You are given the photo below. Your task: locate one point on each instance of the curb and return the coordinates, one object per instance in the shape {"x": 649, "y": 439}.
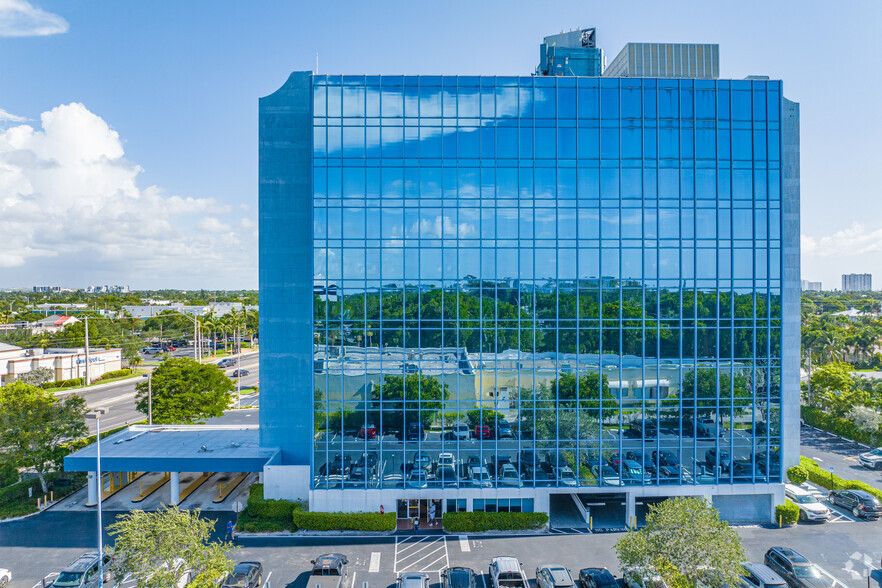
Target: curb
{"x": 852, "y": 441}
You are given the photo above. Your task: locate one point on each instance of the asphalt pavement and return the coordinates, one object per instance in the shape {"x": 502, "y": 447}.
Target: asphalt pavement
{"x": 831, "y": 451}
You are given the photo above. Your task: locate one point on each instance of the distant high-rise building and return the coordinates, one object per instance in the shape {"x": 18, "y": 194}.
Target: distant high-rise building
{"x": 811, "y": 286}
{"x": 571, "y": 54}
{"x": 857, "y": 282}
{"x": 666, "y": 60}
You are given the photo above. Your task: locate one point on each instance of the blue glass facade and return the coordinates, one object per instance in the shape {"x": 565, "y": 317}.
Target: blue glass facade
{"x": 578, "y": 277}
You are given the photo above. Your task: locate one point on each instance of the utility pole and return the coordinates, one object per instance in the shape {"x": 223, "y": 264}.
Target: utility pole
{"x": 86, "y": 379}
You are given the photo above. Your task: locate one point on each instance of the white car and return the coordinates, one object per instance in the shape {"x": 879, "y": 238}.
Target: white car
{"x": 446, "y": 459}
{"x": 565, "y": 476}
{"x": 872, "y": 459}
{"x": 810, "y": 508}
{"x": 5, "y": 576}
{"x": 509, "y": 476}
{"x": 480, "y": 477}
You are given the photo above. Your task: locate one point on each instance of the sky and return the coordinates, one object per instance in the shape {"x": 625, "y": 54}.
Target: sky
{"x": 128, "y": 130}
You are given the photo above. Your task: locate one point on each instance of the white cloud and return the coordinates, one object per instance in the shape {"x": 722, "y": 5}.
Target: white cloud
{"x": 6, "y": 117}
{"x": 71, "y": 212}
{"x": 855, "y": 240}
{"x": 19, "y": 18}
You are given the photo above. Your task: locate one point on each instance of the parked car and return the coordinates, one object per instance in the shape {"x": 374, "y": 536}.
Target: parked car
{"x": 642, "y": 578}
{"x": 340, "y": 465}
{"x": 497, "y": 461}
{"x": 412, "y": 580}
{"x": 810, "y": 508}
{"x": 642, "y": 429}
{"x": 606, "y": 476}
{"x": 368, "y": 459}
{"x": 565, "y": 476}
{"x": 82, "y": 572}
{"x": 416, "y": 432}
{"x": 710, "y": 459}
{"x": 328, "y": 571}
{"x": 482, "y": 432}
{"x": 861, "y": 503}
{"x": 5, "y": 577}
{"x": 360, "y": 473}
{"x": 664, "y": 457}
{"x": 480, "y": 477}
{"x": 458, "y": 432}
{"x": 509, "y": 476}
{"x": 674, "y": 475}
{"x": 368, "y": 431}
{"x": 596, "y": 578}
{"x": 458, "y": 578}
{"x": 504, "y": 430}
{"x": 795, "y": 569}
{"x": 633, "y": 473}
{"x": 507, "y": 572}
{"x": 422, "y": 461}
{"x": 872, "y": 459}
{"x": 446, "y": 477}
{"x": 246, "y": 574}
{"x": 418, "y": 478}
{"x": 240, "y": 373}
{"x": 553, "y": 576}
{"x": 760, "y": 576}
{"x": 446, "y": 460}
{"x": 527, "y": 462}
{"x": 644, "y": 459}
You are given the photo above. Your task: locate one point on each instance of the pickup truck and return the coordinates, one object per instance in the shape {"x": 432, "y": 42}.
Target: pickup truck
{"x": 328, "y": 571}
{"x": 507, "y": 572}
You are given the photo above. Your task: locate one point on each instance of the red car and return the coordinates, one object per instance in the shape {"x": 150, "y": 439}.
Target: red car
{"x": 368, "y": 432}
{"x": 482, "y": 432}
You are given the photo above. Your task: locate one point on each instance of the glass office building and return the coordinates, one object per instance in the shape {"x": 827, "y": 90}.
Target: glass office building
{"x": 482, "y": 291}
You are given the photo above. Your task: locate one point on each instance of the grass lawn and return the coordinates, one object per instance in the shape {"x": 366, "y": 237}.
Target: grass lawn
{"x": 15, "y": 502}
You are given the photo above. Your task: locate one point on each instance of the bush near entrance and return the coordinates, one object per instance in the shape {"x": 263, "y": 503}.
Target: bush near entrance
{"x": 266, "y": 516}
{"x": 344, "y": 521}
{"x": 797, "y": 475}
{"x": 787, "y": 513}
{"x": 473, "y": 522}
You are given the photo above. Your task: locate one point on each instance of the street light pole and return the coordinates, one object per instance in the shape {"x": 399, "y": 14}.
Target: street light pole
{"x": 149, "y": 377}
{"x": 86, "y": 374}
{"x": 96, "y": 414}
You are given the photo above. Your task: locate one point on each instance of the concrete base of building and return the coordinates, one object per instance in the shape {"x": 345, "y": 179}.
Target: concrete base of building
{"x": 754, "y": 503}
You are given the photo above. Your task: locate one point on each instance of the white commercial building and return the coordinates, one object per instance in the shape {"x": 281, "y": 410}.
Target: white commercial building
{"x": 65, "y": 364}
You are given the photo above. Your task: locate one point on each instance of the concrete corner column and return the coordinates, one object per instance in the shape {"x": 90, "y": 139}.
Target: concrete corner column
{"x": 175, "y": 487}
{"x": 92, "y": 492}
{"x": 630, "y": 508}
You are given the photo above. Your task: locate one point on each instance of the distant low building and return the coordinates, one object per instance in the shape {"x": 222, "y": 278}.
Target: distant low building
{"x": 65, "y": 364}
{"x": 52, "y": 324}
{"x": 216, "y": 308}
{"x": 811, "y": 286}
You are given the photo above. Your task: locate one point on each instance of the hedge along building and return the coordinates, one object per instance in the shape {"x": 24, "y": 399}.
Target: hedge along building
{"x": 595, "y": 268}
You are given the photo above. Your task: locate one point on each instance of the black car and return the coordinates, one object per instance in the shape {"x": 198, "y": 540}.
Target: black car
{"x": 664, "y": 457}
{"x": 240, "y": 373}
{"x": 359, "y": 473}
{"x": 367, "y": 459}
{"x": 246, "y": 574}
{"x": 445, "y": 476}
{"x": 497, "y": 461}
{"x": 763, "y": 461}
{"x": 642, "y": 429}
{"x": 796, "y": 570}
{"x": 710, "y": 460}
{"x": 458, "y": 578}
{"x": 596, "y": 578}
{"x": 340, "y": 466}
{"x": 860, "y": 503}
{"x": 416, "y": 432}
{"x": 527, "y": 461}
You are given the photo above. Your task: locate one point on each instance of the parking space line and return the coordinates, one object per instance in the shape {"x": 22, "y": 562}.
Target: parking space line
{"x": 375, "y": 562}
{"x": 395, "y": 558}
{"x": 353, "y": 579}
{"x": 431, "y": 553}
{"x": 266, "y": 582}
{"x": 833, "y": 579}
{"x": 464, "y": 543}
{"x": 423, "y": 554}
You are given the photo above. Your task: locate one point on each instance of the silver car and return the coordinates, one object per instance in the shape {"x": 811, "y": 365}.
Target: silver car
{"x": 412, "y": 580}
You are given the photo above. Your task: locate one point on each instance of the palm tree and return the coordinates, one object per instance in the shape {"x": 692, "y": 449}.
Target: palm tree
{"x": 237, "y": 322}
{"x": 211, "y": 324}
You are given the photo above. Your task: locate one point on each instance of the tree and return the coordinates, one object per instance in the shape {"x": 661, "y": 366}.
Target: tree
{"x": 866, "y": 420}
{"x": 589, "y": 390}
{"x": 833, "y": 388}
{"x": 683, "y": 540}
{"x": 186, "y": 392}
{"x": 157, "y": 548}
{"x": 414, "y": 398}
{"x": 37, "y": 376}
{"x": 34, "y": 424}
{"x": 486, "y": 417}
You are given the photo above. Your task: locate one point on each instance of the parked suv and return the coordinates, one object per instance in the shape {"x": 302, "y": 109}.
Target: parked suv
{"x": 810, "y": 508}
{"x": 553, "y": 577}
{"x": 861, "y": 503}
{"x": 760, "y": 576}
{"x": 458, "y": 578}
{"x": 459, "y": 432}
{"x": 81, "y": 573}
{"x": 795, "y": 569}
{"x": 872, "y": 459}
{"x": 246, "y": 574}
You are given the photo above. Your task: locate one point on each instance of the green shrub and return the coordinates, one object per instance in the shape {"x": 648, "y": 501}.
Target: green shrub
{"x": 15, "y": 502}
{"x": 115, "y": 374}
{"x": 471, "y": 522}
{"x": 787, "y": 513}
{"x": 249, "y": 524}
{"x": 797, "y": 475}
{"x": 833, "y": 424}
{"x": 72, "y": 383}
{"x": 344, "y": 521}
{"x": 262, "y": 508}
{"x": 826, "y": 479}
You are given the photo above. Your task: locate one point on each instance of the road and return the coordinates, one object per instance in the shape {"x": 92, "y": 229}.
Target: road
{"x": 119, "y": 397}
{"x": 840, "y": 454}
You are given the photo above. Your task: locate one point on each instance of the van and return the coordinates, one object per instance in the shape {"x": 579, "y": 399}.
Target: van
{"x": 760, "y": 576}
{"x": 416, "y": 432}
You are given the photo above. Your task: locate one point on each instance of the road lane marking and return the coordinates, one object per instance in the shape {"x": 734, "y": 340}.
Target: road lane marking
{"x": 375, "y": 562}
{"x": 817, "y": 458}
{"x": 464, "y": 543}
